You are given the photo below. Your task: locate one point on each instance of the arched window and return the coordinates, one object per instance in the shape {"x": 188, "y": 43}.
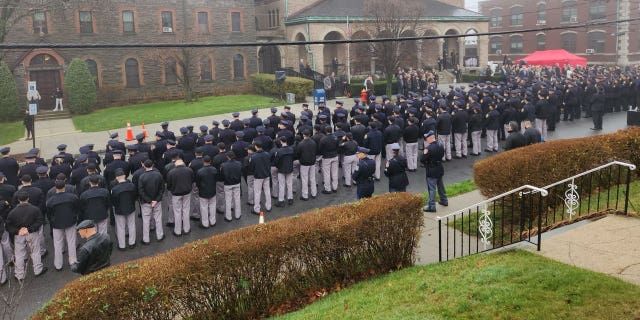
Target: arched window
{"x": 93, "y": 69}
{"x": 496, "y": 18}
{"x": 132, "y": 72}
{"x": 541, "y": 41}
{"x": 596, "y": 41}
{"x": 516, "y": 44}
{"x": 170, "y": 71}
{"x": 516, "y": 16}
{"x": 569, "y": 11}
{"x": 238, "y": 66}
{"x": 541, "y": 13}
{"x": 206, "y": 73}
{"x": 495, "y": 45}
{"x": 568, "y": 41}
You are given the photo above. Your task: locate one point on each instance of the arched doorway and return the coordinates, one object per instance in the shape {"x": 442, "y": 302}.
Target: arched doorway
{"x": 45, "y": 70}
{"x": 471, "y": 48}
{"x": 269, "y": 59}
{"x": 409, "y": 51}
{"x": 302, "y": 53}
{"x": 430, "y": 51}
{"x": 333, "y": 54}
{"x": 450, "y": 49}
{"x": 360, "y": 55}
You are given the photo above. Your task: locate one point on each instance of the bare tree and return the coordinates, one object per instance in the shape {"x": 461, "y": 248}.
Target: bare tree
{"x": 179, "y": 65}
{"x": 10, "y": 297}
{"x": 391, "y": 19}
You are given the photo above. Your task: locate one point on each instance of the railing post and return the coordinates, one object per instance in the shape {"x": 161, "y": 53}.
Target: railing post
{"x": 539, "y": 221}
{"x": 626, "y": 196}
{"x": 440, "y": 240}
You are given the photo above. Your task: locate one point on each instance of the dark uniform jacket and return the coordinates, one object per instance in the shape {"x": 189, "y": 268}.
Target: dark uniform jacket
{"x": 411, "y": 134}
{"x": 305, "y": 152}
{"x": 123, "y": 197}
{"x": 206, "y": 182}
{"x": 62, "y": 210}
{"x": 231, "y": 172}
{"x": 373, "y": 141}
{"x": 94, "y": 254}
{"x": 36, "y": 197}
{"x": 397, "y": 172}
{"x": 30, "y": 169}
{"x": 150, "y": 186}
{"x": 260, "y": 163}
{"x": 459, "y": 121}
{"x": 532, "y": 135}
{"x": 515, "y": 140}
{"x": 283, "y": 158}
{"x": 9, "y": 166}
{"x": 329, "y": 146}
{"x": 180, "y": 181}
{"x": 433, "y": 160}
{"x": 392, "y": 134}
{"x": 443, "y": 124}
{"x": 94, "y": 204}
{"x": 365, "y": 171}
{"x": 24, "y": 215}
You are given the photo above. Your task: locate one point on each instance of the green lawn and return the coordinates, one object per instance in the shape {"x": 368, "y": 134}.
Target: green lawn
{"x": 116, "y": 117}
{"x": 11, "y": 131}
{"x": 511, "y": 285}
{"x": 455, "y": 189}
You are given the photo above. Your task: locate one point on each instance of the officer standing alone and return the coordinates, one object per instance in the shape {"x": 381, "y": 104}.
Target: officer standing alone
{"x": 432, "y": 159}
{"x": 364, "y": 174}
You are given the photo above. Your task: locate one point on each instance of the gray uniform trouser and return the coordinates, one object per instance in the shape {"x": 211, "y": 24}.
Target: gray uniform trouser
{"x": 59, "y": 236}
{"x": 167, "y": 199}
{"x": 260, "y": 185}
{"x": 541, "y": 125}
{"x": 377, "y": 158}
{"x": 506, "y": 128}
{"x": 125, "y": 223}
{"x": 330, "y": 173}
{"x": 32, "y": 241}
{"x": 285, "y": 183}
{"x": 349, "y": 165}
{"x": 102, "y": 226}
{"x": 460, "y": 141}
{"x": 308, "y": 180}
{"x": 492, "y": 139}
{"x": 296, "y": 174}
{"x": 3, "y": 272}
{"x": 195, "y": 202}
{"x": 220, "y": 196}
{"x": 207, "y": 211}
{"x": 274, "y": 181}
{"x": 445, "y": 141}
{"x": 232, "y": 199}
{"x": 149, "y": 212}
{"x": 388, "y": 152}
{"x": 181, "y": 206}
{"x": 7, "y": 247}
{"x": 476, "y": 141}
{"x": 250, "y": 180}
{"x": 411, "y": 150}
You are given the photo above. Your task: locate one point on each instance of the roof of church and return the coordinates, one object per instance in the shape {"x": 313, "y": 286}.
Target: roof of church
{"x": 339, "y": 10}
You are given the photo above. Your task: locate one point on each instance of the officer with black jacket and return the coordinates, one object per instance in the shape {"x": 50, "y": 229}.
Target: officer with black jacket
{"x": 373, "y": 142}
{"x": 111, "y": 168}
{"x": 283, "y": 159}
{"x": 95, "y": 253}
{"x": 150, "y": 190}
{"x": 364, "y": 174}
{"x": 232, "y": 176}
{"x": 123, "y": 197}
{"x": 180, "y": 184}
{"x": 328, "y": 147}
{"x": 206, "y": 182}
{"x": 95, "y": 204}
{"x": 9, "y": 166}
{"x": 396, "y": 170}
{"x": 305, "y": 153}
{"x": 432, "y": 159}
{"x": 260, "y": 164}
{"x": 411, "y": 135}
{"x": 392, "y": 134}
{"x": 62, "y": 211}
{"x": 24, "y": 223}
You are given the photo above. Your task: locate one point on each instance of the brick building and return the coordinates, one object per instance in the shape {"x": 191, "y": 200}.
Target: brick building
{"x": 304, "y": 20}
{"x": 129, "y": 75}
{"x": 600, "y": 44}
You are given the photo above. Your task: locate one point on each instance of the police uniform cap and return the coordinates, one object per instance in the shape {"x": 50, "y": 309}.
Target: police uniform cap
{"x": 254, "y": 111}
{"x": 321, "y": 105}
{"x": 235, "y": 114}
{"x": 164, "y": 124}
{"x": 190, "y": 127}
{"x": 340, "y": 115}
{"x": 412, "y": 110}
{"x": 133, "y": 147}
{"x": 113, "y": 135}
{"x": 361, "y": 108}
{"x": 160, "y": 134}
{"x": 363, "y": 150}
{"x": 184, "y": 130}
{"x": 305, "y": 104}
{"x": 119, "y": 172}
{"x": 340, "y": 102}
{"x": 60, "y": 147}
{"x": 246, "y": 121}
{"x": 203, "y": 128}
{"x": 378, "y": 106}
{"x": 339, "y": 134}
{"x": 5, "y": 150}
{"x": 112, "y": 143}
{"x": 42, "y": 170}
{"x": 171, "y": 142}
{"x": 384, "y": 97}
{"x": 450, "y": 86}
{"x": 322, "y": 116}
{"x": 372, "y": 97}
{"x": 30, "y": 156}
{"x": 240, "y": 134}
{"x": 304, "y": 117}
{"x": 429, "y": 134}
{"x": 225, "y": 122}
{"x": 208, "y": 138}
{"x": 215, "y": 122}
{"x": 83, "y": 150}
{"x": 401, "y": 96}
{"x": 82, "y": 158}
{"x": 91, "y": 166}
{"x": 199, "y": 150}
{"x": 395, "y": 146}
{"x": 287, "y": 107}
{"x": 117, "y": 151}
{"x": 221, "y": 145}
{"x": 34, "y": 150}
{"x": 274, "y": 109}
{"x": 356, "y": 100}
{"x": 260, "y": 129}
{"x": 86, "y": 224}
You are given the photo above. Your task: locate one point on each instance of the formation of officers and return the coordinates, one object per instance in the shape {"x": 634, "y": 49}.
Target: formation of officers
{"x": 197, "y": 174}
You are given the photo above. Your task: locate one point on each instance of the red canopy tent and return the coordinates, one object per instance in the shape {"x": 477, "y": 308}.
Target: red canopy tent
{"x": 551, "y": 57}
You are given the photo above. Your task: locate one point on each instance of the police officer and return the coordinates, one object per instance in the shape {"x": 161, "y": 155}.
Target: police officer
{"x": 180, "y": 184}
{"x": 396, "y": 170}
{"x": 349, "y": 150}
{"x": 95, "y": 253}
{"x": 305, "y": 153}
{"x": 206, "y": 183}
{"x": 95, "y": 204}
{"x": 9, "y": 166}
{"x": 373, "y": 143}
{"x": 432, "y": 159}
{"x": 123, "y": 197}
{"x": 283, "y": 158}
{"x": 62, "y": 211}
{"x": 150, "y": 190}
{"x": 364, "y": 174}
{"x": 24, "y": 223}
{"x": 260, "y": 163}
{"x": 232, "y": 176}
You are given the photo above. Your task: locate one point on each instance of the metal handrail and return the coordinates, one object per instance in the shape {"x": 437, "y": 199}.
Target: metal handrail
{"x": 628, "y": 165}
{"x": 542, "y": 191}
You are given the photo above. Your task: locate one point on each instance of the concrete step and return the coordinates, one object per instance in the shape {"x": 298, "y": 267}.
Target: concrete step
{"x": 49, "y": 115}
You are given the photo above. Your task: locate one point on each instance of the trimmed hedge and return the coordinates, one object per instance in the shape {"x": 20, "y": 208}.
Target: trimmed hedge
{"x": 10, "y": 106}
{"x": 265, "y": 84}
{"x": 81, "y": 87}
{"x": 542, "y": 164}
{"x": 254, "y": 271}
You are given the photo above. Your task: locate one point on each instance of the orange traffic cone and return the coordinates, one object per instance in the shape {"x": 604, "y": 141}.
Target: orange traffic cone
{"x": 129, "y": 131}
{"x": 144, "y": 131}
{"x": 261, "y": 220}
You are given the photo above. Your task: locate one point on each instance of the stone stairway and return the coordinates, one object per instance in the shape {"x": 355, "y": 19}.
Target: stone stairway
{"x": 445, "y": 76}
{"x": 44, "y": 115}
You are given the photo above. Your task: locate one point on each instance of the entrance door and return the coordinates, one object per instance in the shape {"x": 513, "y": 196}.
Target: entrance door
{"x": 46, "y": 81}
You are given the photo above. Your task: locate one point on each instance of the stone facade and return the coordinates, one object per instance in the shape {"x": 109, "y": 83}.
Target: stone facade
{"x": 212, "y": 70}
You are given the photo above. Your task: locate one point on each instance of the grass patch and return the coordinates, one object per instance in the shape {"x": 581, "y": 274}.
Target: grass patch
{"x": 116, "y": 117}
{"x": 511, "y": 285}
{"x": 455, "y": 189}
{"x": 11, "y": 132}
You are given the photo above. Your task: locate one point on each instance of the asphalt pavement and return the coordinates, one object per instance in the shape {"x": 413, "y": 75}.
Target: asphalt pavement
{"x": 38, "y": 291}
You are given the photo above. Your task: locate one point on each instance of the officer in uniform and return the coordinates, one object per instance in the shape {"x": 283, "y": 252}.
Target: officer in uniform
{"x": 205, "y": 178}
{"x": 24, "y": 223}
{"x": 180, "y": 184}
{"x": 169, "y": 135}
{"x": 95, "y": 253}
{"x": 62, "y": 211}
{"x": 232, "y": 176}
{"x": 150, "y": 190}
{"x": 9, "y": 166}
{"x": 95, "y": 204}
{"x": 432, "y": 159}
{"x": 123, "y": 197}
{"x": 373, "y": 142}
{"x": 364, "y": 174}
